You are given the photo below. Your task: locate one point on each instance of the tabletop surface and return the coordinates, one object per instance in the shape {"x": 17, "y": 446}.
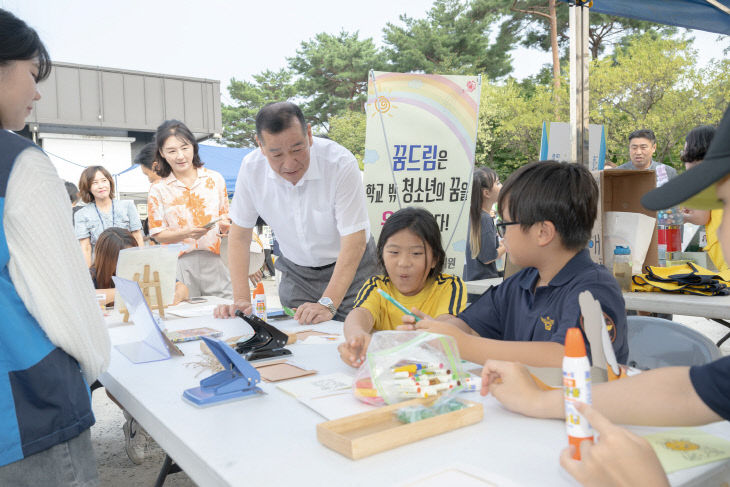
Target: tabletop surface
{"x": 478, "y": 287}
{"x": 683, "y": 304}
{"x": 271, "y": 439}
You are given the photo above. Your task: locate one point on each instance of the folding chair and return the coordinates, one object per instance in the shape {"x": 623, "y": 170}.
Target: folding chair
{"x": 656, "y": 342}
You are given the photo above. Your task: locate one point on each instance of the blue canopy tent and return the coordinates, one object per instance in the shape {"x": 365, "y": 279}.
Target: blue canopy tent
{"x": 225, "y": 160}
{"x": 707, "y": 15}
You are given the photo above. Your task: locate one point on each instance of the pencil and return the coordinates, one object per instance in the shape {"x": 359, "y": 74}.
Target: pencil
{"x": 397, "y": 304}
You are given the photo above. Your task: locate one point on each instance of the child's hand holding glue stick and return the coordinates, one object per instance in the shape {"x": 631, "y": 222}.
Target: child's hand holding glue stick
{"x": 619, "y": 458}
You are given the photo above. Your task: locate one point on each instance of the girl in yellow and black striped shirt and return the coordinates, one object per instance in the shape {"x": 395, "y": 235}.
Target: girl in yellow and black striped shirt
{"x": 411, "y": 254}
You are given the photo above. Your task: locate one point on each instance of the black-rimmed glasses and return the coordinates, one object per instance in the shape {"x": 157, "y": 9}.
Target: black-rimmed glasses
{"x": 502, "y": 227}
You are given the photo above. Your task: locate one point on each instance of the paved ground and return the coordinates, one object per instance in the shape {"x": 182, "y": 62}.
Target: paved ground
{"x": 116, "y": 470}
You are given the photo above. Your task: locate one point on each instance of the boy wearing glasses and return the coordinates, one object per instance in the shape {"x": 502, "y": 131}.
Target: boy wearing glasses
{"x": 547, "y": 210}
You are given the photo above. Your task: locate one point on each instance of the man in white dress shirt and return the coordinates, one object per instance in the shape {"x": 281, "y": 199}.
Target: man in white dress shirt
{"x": 310, "y": 192}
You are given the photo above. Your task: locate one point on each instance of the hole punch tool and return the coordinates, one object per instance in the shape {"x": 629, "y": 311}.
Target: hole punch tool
{"x": 267, "y": 342}
{"x": 238, "y": 378}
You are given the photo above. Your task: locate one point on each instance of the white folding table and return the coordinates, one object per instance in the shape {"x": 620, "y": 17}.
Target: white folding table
{"x": 271, "y": 439}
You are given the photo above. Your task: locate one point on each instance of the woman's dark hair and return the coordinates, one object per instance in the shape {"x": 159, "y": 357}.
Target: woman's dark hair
{"x": 559, "y": 192}
{"x": 19, "y": 42}
{"x": 698, "y": 141}
{"x": 106, "y": 254}
{"x": 87, "y": 177}
{"x": 277, "y": 117}
{"x": 422, "y": 223}
{"x": 146, "y": 156}
{"x": 73, "y": 191}
{"x": 170, "y": 128}
{"x": 484, "y": 178}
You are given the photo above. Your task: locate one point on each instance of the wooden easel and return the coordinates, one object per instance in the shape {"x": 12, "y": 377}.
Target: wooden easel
{"x": 145, "y": 284}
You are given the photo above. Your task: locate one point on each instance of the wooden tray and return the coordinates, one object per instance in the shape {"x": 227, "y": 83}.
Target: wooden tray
{"x": 364, "y": 434}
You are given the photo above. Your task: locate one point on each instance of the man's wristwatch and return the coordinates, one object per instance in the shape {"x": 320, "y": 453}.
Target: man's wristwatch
{"x": 327, "y": 303}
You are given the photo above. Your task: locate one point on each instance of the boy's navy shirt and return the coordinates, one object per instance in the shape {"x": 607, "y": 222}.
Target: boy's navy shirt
{"x": 512, "y": 311}
{"x": 712, "y": 384}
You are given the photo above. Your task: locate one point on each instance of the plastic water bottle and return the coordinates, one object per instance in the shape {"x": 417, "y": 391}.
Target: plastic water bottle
{"x": 669, "y": 226}
{"x": 622, "y": 267}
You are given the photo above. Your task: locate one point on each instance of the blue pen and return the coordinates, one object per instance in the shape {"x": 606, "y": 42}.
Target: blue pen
{"x": 397, "y": 304}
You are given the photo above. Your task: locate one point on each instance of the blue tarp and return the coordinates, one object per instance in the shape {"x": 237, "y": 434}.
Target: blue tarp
{"x": 690, "y": 14}
{"x": 225, "y": 160}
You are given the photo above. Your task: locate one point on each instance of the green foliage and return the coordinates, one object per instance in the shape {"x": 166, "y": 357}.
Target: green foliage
{"x": 653, "y": 82}
{"x": 332, "y": 74}
{"x": 448, "y": 41}
{"x": 523, "y": 16}
{"x": 348, "y": 130}
{"x": 239, "y": 120}
{"x": 510, "y": 123}
{"x": 649, "y": 82}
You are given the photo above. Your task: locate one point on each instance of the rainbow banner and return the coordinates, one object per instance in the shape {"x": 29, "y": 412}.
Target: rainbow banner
{"x": 419, "y": 151}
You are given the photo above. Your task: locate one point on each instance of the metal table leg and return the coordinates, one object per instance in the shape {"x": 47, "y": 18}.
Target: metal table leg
{"x": 726, "y": 325}
{"x": 168, "y": 467}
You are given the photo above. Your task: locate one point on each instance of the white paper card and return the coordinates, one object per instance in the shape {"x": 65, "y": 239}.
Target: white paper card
{"x": 151, "y": 346}
{"x": 192, "y": 311}
{"x": 317, "y": 386}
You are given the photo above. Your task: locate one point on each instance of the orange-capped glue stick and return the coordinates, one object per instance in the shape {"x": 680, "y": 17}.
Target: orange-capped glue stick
{"x": 576, "y": 388}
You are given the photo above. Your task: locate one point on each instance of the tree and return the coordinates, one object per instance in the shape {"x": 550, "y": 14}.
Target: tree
{"x": 548, "y": 13}
{"x": 510, "y": 123}
{"x": 348, "y": 130}
{"x": 448, "y": 41}
{"x": 333, "y": 74}
{"x": 239, "y": 120}
{"x": 541, "y": 24}
{"x": 532, "y": 20}
{"x": 653, "y": 82}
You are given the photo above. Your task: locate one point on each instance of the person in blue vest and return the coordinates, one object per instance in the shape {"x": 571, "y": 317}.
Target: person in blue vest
{"x": 53, "y": 340}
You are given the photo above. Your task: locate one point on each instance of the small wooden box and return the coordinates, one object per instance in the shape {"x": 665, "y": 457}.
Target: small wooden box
{"x": 364, "y": 434}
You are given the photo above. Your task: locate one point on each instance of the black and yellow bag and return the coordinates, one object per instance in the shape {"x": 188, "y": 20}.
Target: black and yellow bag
{"x": 686, "y": 278}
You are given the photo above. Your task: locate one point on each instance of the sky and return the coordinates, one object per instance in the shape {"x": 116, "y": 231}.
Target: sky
{"x": 221, "y": 39}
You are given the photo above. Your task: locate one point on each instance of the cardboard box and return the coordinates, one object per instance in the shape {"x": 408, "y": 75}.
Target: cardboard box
{"x": 621, "y": 190}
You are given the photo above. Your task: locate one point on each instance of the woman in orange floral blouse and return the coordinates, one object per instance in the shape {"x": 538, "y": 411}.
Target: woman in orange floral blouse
{"x": 190, "y": 205}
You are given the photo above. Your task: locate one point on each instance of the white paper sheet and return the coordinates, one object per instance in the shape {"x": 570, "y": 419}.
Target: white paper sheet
{"x": 328, "y": 395}
{"x": 151, "y": 346}
{"x": 323, "y": 340}
{"x": 192, "y": 312}
{"x": 320, "y": 385}
{"x": 335, "y": 406}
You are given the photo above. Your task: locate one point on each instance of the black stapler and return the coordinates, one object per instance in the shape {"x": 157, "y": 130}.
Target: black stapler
{"x": 267, "y": 341}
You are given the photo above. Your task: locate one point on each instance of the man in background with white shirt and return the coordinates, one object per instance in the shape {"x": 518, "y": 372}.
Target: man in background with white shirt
{"x": 310, "y": 192}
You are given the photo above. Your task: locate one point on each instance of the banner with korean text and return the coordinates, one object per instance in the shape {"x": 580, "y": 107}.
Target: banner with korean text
{"x": 419, "y": 151}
